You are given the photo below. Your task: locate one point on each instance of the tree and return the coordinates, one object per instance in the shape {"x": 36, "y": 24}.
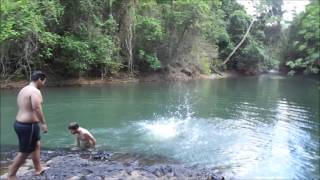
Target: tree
{"x": 303, "y": 45}
{"x": 97, "y": 38}
{"x": 25, "y": 39}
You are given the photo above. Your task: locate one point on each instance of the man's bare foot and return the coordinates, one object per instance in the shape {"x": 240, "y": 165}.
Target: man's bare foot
{"x": 39, "y": 173}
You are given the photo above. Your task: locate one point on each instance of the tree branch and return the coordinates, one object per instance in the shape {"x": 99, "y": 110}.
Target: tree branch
{"x": 240, "y": 43}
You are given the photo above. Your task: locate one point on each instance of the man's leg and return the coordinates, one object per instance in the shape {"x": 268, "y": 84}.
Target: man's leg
{"x": 36, "y": 160}
{"x": 17, "y": 163}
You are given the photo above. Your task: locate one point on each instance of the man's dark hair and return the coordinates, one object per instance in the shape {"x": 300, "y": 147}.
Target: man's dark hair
{"x": 73, "y": 126}
{"x": 36, "y": 75}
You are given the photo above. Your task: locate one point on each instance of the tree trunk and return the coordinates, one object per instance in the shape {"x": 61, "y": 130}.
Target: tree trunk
{"x": 126, "y": 31}
{"x": 110, "y": 7}
{"x": 240, "y": 43}
{"x": 171, "y": 35}
{"x": 3, "y": 65}
{"x": 29, "y": 48}
{"x": 128, "y": 39}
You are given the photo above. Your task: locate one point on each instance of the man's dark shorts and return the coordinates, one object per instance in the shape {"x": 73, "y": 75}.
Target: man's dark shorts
{"x": 28, "y": 135}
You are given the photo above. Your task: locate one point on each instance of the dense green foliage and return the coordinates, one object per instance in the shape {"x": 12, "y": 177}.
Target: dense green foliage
{"x": 303, "y": 41}
{"x": 25, "y": 39}
{"x": 69, "y": 38}
{"x": 97, "y": 38}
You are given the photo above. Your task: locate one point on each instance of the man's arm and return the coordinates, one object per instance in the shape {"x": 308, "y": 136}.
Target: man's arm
{"x": 78, "y": 141}
{"x": 36, "y": 100}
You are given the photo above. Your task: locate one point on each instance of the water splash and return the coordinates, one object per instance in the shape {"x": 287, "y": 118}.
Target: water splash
{"x": 164, "y": 127}
{"x": 161, "y": 129}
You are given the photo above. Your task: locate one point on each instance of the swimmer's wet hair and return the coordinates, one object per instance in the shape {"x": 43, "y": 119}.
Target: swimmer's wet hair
{"x": 36, "y": 75}
{"x": 73, "y": 126}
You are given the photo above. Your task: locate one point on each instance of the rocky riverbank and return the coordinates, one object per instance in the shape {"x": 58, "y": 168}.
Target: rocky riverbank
{"x": 98, "y": 165}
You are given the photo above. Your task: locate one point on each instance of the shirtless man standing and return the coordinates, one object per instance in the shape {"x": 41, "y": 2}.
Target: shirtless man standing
{"x": 27, "y": 125}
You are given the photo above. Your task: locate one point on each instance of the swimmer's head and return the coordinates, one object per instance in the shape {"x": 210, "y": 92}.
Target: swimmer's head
{"x": 73, "y": 127}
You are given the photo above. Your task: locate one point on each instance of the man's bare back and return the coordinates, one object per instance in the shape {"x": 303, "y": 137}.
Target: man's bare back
{"x": 24, "y": 100}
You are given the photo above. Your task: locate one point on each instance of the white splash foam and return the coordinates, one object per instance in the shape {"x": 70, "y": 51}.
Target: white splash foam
{"x": 161, "y": 130}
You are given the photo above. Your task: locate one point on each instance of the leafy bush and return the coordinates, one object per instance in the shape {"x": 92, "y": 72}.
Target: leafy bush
{"x": 152, "y": 60}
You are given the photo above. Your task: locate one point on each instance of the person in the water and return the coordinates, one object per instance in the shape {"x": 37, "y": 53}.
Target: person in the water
{"x": 84, "y": 138}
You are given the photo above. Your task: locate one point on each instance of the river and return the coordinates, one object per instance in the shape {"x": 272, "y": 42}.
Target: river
{"x": 251, "y": 127}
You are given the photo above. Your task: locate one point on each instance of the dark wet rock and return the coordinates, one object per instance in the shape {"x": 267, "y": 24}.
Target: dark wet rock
{"x": 80, "y": 165}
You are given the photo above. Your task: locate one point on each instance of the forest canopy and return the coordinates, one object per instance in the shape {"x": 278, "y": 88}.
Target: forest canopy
{"x": 100, "y": 38}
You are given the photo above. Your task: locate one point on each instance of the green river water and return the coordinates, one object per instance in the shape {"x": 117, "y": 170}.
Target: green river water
{"x": 253, "y": 127}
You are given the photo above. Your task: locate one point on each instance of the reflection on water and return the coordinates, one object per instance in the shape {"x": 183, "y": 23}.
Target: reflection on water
{"x": 265, "y": 127}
